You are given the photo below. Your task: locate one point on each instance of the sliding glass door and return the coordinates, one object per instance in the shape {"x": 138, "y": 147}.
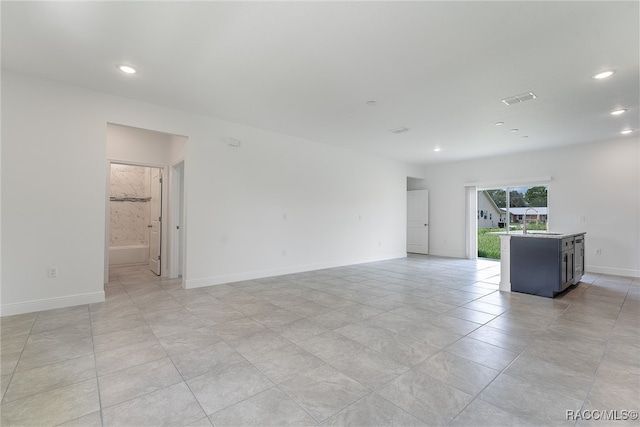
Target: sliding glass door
{"x": 509, "y": 209}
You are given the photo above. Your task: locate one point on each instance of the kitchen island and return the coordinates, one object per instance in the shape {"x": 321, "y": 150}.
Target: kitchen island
{"x": 540, "y": 263}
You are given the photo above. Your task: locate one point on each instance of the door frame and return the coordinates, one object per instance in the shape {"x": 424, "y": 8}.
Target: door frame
{"x": 164, "y": 242}
{"x": 177, "y": 237}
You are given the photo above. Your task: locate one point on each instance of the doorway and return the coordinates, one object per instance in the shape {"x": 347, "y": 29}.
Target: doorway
{"x": 163, "y": 155}
{"x": 135, "y": 216}
{"x": 417, "y": 216}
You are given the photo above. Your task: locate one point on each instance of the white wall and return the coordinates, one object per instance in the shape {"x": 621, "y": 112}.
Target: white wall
{"x": 598, "y": 181}
{"x": 130, "y": 144}
{"x": 236, "y": 198}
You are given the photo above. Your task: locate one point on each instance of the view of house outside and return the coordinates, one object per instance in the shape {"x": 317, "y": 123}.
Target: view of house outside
{"x": 505, "y": 209}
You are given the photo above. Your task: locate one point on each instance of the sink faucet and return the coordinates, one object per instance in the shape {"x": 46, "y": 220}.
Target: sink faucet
{"x": 524, "y": 219}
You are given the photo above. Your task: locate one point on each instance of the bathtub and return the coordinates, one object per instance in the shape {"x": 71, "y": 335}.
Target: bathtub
{"x": 128, "y": 255}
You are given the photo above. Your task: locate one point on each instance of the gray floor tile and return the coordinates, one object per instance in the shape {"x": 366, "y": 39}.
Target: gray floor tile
{"x": 308, "y": 309}
{"x": 257, "y": 344}
{"x": 188, "y": 340}
{"x": 215, "y": 315}
{"x": 423, "y": 396}
{"x": 323, "y": 391}
{"x": 38, "y": 354}
{"x": 64, "y": 319}
{"x": 114, "y": 324}
{"x": 198, "y": 361}
{"x": 528, "y": 401}
{"x": 471, "y": 315}
{"x": 202, "y": 422}
{"x": 53, "y": 407}
{"x": 359, "y": 311}
{"x": 299, "y": 330}
{"x": 13, "y": 344}
{"x": 402, "y": 349}
{"x": 432, "y": 335}
{"x": 369, "y": 367}
{"x": 483, "y": 414}
{"x": 538, "y": 371}
{"x": 17, "y": 325}
{"x": 485, "y": 307}
{"x": 136, "y": 381}
{"x": 8, "y": 362}
{"x": 453, "y": 324}
{"x": 458, "y": 372}
{"x": 332, "y": 320}
{"x": 373, "y": 410}
{"x": 329, "y": 345}
{"x": 38, "y": 380}
{"x": 284, "y": 363}
{"x": 583, "y": 343}
{"x": 228, "y": 384}
{"x": 169, "y": 406}
{"x": 123, "y": 338}
{"x": 93, "y": 419}
{"x": 500, "y": 338}
{"x": 234, "y": 331}
{"x": 270, "y": 407}
{"x": 121, "y": 358}
{"x": 491, "y": 356}
{"x": 4, "y": 384}
{"x": 276, "y": 318}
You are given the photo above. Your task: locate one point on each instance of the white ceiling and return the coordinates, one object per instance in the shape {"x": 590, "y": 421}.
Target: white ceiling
{"x": 307, "y": 68}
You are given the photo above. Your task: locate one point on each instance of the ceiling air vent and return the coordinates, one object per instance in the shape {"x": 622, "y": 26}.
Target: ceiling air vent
{"x": 519, "y": 98}
{"x": 399, "y": 130}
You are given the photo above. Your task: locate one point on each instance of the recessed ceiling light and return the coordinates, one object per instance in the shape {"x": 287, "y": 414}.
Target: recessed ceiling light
{"x": 371, "y": 103}
{"x": 127, "y": 69}
{"x": 498, "y": 123}
{"x": 604, "y": 74}
{"x": 617, "y": 112}
{"x": 514, "y": 130}
{"x": 436, "y": 149}
{"x": 626, "y": 131}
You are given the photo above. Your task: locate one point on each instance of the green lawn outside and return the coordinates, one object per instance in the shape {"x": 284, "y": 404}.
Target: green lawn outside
{"x": 488, "y": 244}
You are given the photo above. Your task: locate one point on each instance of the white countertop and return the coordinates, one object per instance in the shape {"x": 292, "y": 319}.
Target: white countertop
{"x": 540, "y": 234}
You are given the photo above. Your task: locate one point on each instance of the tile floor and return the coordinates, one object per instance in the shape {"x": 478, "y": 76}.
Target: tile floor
{"x": 415, "y": 341}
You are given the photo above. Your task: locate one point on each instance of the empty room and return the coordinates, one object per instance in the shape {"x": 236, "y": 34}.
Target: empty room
{"x": 320, "y": 213}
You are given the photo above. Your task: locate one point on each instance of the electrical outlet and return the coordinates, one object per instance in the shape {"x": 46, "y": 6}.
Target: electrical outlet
{"x": 583, "y": 218}
{"x": 52, "y": 272}
{"x": 598, "y": 251}
{"x": 284, "y": 216}
{"x": 284, "y": 252}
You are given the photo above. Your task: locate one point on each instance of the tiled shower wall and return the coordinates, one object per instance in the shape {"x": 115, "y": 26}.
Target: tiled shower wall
{"x": 129, "y": 219}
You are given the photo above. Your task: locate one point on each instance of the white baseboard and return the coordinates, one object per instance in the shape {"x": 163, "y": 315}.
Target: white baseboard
{"x": 50, "y": 303}
{"x": 260, "y": 274}
{"x": 448, "y": 254}
{"x": 625, "y": 272}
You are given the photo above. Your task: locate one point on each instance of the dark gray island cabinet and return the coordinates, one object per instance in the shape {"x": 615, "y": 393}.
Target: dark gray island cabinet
{"x": 546, "y": 264}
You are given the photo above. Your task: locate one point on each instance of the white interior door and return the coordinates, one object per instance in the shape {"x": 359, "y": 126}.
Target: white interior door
{"x": 156, "y": 220}
{"x": 418, "y": 221}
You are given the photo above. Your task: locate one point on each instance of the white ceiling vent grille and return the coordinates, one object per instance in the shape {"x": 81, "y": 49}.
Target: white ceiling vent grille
{"x": 519, "y": 98}
{"x": 399, "y": 130}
